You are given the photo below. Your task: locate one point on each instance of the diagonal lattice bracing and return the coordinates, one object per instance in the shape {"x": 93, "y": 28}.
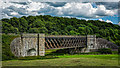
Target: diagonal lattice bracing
{"x": 64, "y": 42}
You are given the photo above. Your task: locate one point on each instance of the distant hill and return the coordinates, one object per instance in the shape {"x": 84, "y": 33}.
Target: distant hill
{"x": 62, "y": 26}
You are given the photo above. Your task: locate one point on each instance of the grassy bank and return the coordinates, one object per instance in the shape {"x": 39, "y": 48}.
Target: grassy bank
{"x": 68, "y": 60}
{"x": 107, "y": 57}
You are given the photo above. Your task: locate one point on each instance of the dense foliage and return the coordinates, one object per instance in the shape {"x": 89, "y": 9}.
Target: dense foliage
{"x": 62, "y": 26}
{"x": 6, "y": 52}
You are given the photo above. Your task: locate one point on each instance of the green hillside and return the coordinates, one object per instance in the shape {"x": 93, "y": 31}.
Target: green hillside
{"x": 61, "y": 26}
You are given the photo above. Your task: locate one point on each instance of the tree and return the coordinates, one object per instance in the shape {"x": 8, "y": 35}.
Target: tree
{"x": 117, "y": 42}
{"x": 81, "y": 30}
{"x": 33, "y": 30}
{"x": 8, "y": 28}
{"x": 23, "y": 25}
{"x": 43, "y": 30}
{"x": 38, "y": 23}
{"x": 69, "y": 28}
{"x": 54, "y": 33}
{"x": 72, "y": 32}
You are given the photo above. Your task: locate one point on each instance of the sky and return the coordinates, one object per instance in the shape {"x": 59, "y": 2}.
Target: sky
{"x": 103, "y": 11}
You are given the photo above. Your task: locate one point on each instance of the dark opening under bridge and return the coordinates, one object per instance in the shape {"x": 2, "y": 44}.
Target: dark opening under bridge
{"x": 35, "y": 44}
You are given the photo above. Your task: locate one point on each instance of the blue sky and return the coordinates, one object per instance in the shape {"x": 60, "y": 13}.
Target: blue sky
{"x": 114, "y": 19}
{"x": 103, "y": 11}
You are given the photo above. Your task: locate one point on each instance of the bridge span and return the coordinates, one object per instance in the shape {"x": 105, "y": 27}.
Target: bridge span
{"x": 35, "y": 44}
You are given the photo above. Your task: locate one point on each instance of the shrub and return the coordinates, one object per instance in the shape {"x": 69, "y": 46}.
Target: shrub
{"x": 105, "y": 51}
{"x": 94, "y": 52}
{"x": 36, "y": 57}
{"x": 114, "y": 52}
{"x": 6, "y": 51}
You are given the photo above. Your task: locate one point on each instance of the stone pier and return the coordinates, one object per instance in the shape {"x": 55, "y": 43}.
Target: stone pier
{"x": 91, "y": 43}
{"x": 41, "y": 44}
{"x": 28, "y": 45}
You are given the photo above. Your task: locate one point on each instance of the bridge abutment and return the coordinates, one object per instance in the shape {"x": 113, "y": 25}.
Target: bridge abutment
{"x": 28, "y": 45}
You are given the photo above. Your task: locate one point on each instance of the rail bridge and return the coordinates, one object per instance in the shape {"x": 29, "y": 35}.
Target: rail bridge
{"x": 58, "y": 42}
{"x": 35, "y": 44}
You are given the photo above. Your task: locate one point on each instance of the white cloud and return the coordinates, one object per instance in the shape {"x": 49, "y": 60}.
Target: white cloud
{"x": 14, "y": 13}
{"x": 76, "y": 0}
{"x": 108, "y": 21}
{"x": 102, "y": 11}
{"x": 34, "y": 6}
{"x": 119, "y": 23}
{"x": 83, "y": 10}
{"x": 101, "y": 20}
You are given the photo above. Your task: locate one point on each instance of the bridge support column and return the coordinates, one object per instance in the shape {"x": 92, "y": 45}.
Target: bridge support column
{"x": 41, "y": 44}
{"x": 91, "y": 43}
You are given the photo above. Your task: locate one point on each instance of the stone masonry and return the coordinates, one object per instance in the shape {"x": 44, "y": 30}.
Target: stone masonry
{"x": 28, "y": 45}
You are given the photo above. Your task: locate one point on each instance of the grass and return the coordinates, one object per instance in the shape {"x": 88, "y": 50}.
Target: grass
{"x": 109, "y": 57}
{"x": 48, "y": 51}
{"x": 68, "y": 60}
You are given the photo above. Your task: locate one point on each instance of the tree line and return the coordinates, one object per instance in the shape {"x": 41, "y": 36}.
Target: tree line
{"x": 50, "y": 25}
